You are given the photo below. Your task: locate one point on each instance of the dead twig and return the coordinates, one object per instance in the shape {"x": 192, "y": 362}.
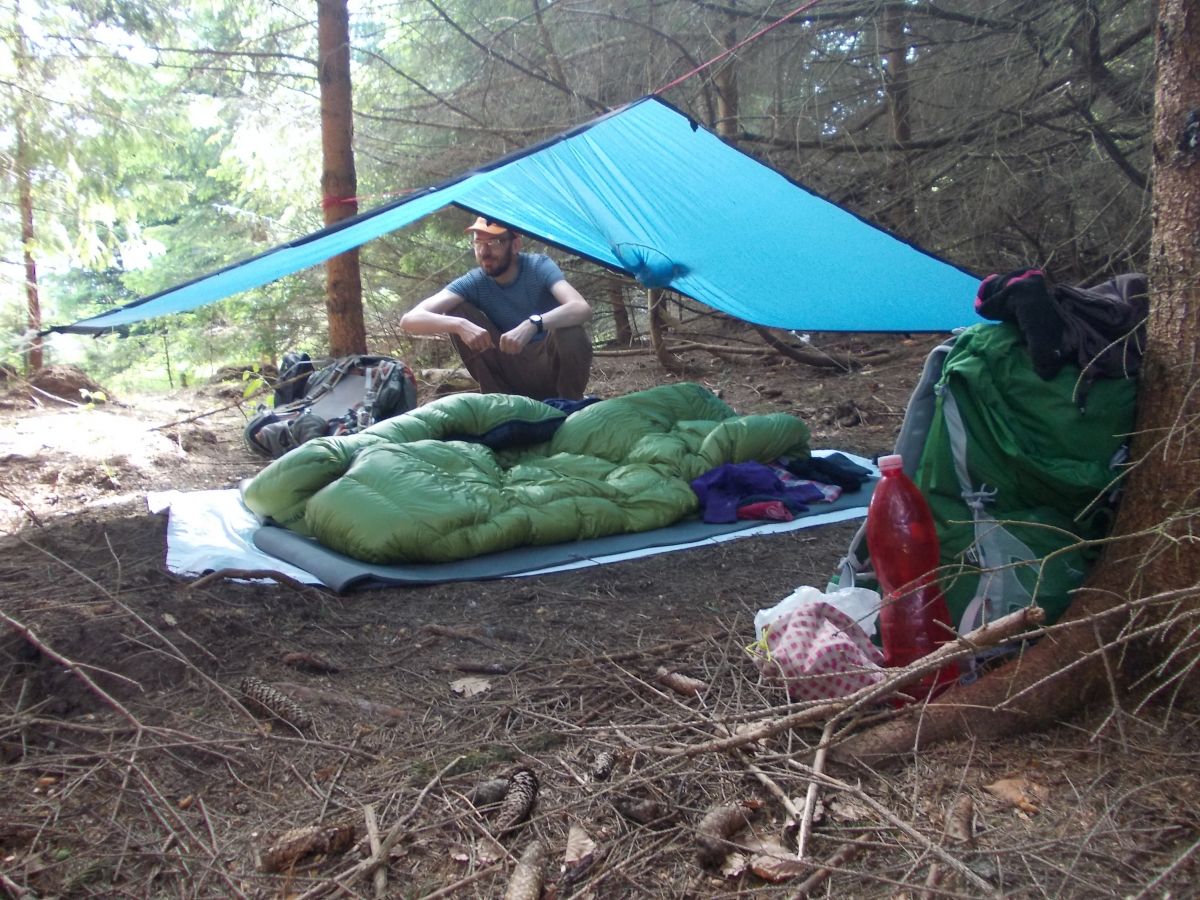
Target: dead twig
{"x": 74, "y": 668}
{"x": 958, "y": 865}
{"x": 248, "y": 575}
{"x": 841, "y": 857}
{"x": 379, "y": 857}
{"x": 371, "y": 707}
{"x": 810, "y": 798}
{"x": 1002, "y": 629}
{"x": 379, "y": 881}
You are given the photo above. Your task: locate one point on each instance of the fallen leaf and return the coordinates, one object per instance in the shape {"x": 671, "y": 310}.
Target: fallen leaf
{"x": 309, "y": 662}
{"x": 470, "y": 686}
{"x": 773, "y": 862}
{"x": 848, "y": 810}
{"x": 1020, "y": 792}
{"x": 580, "y": 846}
{"x": 489, "y": 851}
{"x": 735, "y": 865}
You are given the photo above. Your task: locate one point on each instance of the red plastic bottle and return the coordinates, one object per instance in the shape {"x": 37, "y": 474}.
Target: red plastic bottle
{"x": 914, "y": 619}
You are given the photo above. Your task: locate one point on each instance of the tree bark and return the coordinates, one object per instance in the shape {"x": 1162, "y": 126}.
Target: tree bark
{"x": 899, "y": 103}
{"x": 726, "y": 83}
{"x": 33, "y": 307}
{"x": 339, "y": 183}
{"x": 624, "y": 329}
{"x": 658, "y": 333}
{"x": 1153, "y": 553}
{"x": 24, "y": 173}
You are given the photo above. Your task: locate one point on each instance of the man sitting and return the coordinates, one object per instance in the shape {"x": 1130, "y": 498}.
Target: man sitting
{"x": 515, "y": 321}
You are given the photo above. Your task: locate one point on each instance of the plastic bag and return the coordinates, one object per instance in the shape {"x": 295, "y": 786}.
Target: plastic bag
{"x": 814, "y": 643}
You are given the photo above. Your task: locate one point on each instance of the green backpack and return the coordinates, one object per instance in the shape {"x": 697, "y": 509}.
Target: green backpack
{"x": 1016, "y": 474}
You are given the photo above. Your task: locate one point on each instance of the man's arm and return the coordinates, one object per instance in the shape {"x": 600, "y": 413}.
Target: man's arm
{"x": 572, "y": 309}
{"x": 433, "y": 316}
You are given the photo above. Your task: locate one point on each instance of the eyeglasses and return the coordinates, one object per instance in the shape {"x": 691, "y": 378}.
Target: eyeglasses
{"x": 491, "y": 242}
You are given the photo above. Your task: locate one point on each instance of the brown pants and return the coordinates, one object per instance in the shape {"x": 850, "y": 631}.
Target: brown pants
{"x": 559, "y": 365}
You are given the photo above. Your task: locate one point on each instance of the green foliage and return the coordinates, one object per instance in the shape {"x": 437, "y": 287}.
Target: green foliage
{"x": 254, "y": 382}
{"x": 170, "y": 141}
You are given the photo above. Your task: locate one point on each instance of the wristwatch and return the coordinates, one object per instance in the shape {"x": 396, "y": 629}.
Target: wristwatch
{"x": 537, "y": 322}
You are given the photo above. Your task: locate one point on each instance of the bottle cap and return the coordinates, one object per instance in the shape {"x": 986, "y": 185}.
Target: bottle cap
{"x": 893, "y": 461}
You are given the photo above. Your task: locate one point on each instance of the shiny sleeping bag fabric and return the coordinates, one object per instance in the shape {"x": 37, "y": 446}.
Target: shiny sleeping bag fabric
{"x": 478, "y": 473}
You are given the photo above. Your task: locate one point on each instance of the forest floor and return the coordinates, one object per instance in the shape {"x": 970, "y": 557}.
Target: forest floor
{"x": 132, "y": 766}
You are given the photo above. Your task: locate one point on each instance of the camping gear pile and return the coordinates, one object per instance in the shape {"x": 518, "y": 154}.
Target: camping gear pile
{"x": 342, "y": 397}
{"x": 1016, "y": 435}
{"x": 472, "y": 474}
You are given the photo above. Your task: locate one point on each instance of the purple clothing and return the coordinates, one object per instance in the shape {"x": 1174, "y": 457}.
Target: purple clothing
{"x": 723, "y": 489}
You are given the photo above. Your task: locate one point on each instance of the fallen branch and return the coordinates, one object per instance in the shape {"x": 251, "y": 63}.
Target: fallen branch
{"x": 380, "y": 878}
{"x": 75, "y": 669}
{"x": 810, "y": 798}
{"x": 813, "y": 357}
{"x": 248, "y": 575}
{"x": 379, "y": 856}
{"x": 843, "y": 855}
{"x": 896, "y": 822}
{"x": 1013, "y": 625}
{"x": 317, "y": 695}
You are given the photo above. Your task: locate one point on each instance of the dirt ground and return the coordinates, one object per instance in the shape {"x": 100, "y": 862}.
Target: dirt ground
{"x": 136, "y": 762}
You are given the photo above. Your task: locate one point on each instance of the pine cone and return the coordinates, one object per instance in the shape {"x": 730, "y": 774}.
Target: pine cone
{"x": 490, "y": 792}
{"x": 720, "y": 824}
{"x": 266, "y": 700}
{"x": 643, "y": 811}
{"x": 518, "y": 802}
{"x": 526, "y": 880}
{"x": 602, "y": 765}
{"x": 292, "y": 846}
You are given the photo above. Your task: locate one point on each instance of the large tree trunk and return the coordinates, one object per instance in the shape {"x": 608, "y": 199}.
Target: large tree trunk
{"x": 725, "y": 79}
{"x": 24, "y": 173}
{"x": 624, "y": 328}
{"x": 1155, "y": 556}
{"x": 898, "y": 190}
{"x": 339, "y": 184}
{"x": 33, "y": 307}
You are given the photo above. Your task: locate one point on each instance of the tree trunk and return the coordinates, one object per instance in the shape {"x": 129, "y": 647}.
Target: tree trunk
{"x": 725, "y": 80}
{"x": 658, "y": 333}
{"x": 1154, "y": 555}
{"x": 898, "y": 191}
{"x": 624, "y": 328}
{"x": 24, "y": 173}
{"x": 339, "y": 184}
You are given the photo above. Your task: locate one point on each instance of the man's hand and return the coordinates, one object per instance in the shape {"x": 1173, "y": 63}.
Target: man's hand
{"x": 474, "y": 336}
{"x": 514, "y": 341}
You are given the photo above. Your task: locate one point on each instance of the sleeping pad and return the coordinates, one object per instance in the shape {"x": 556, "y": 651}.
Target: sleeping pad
{"x": 478, "y": 473}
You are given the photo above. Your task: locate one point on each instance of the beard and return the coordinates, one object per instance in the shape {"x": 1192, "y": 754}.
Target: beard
{"x": 497, "y": 262}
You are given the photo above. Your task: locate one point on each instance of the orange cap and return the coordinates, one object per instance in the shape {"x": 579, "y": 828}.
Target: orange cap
{"x": 487, "y": 227}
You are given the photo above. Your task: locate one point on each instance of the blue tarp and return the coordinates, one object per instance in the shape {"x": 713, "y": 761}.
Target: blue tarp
{"x": 647, "y": 191}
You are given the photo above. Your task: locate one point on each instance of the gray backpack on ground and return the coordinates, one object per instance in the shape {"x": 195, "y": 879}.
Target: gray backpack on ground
{"x": 343, "y": 397}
